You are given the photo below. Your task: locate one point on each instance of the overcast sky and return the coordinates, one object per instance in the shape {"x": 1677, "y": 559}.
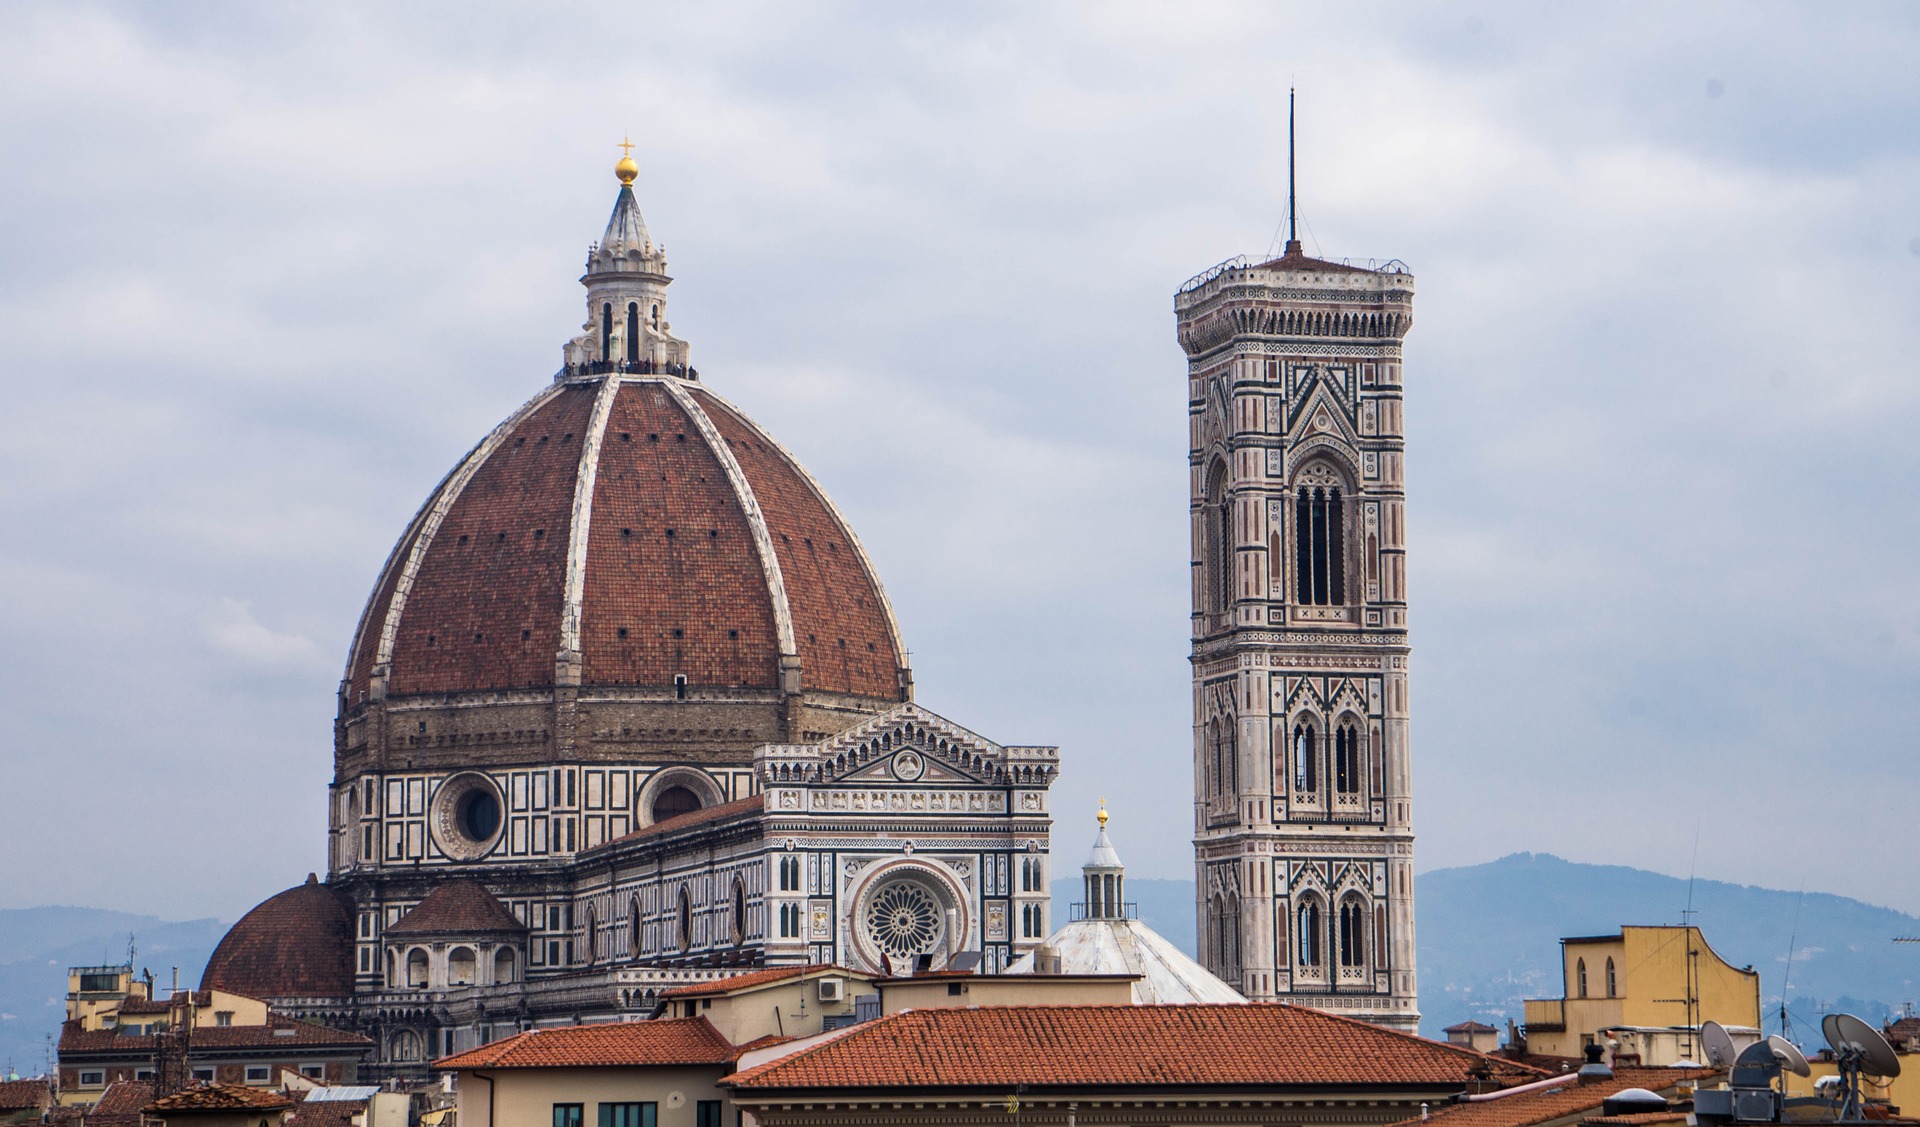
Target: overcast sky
{"x": 266, "y": 272}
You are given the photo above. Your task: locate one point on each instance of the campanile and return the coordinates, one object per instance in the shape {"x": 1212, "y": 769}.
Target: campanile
{"x": 1303, "y": 833}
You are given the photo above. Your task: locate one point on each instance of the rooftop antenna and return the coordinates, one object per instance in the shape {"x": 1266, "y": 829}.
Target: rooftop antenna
{"x": 1786, "y": 976}
{"x": 1293, "y": 203}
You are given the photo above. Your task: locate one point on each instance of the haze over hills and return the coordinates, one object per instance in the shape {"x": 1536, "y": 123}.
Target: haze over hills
{"x": 1489, "y": 937}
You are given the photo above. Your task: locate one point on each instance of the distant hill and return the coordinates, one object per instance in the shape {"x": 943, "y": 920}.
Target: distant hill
{"x": 37, "y": 945}
{"x": 1490, "y": 935}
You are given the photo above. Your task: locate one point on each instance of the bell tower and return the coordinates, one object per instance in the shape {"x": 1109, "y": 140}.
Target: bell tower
{"x": 1303, "y": 831}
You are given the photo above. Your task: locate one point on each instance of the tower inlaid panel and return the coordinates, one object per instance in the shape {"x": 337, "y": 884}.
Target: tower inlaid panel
{"x": 1302, "y": 807}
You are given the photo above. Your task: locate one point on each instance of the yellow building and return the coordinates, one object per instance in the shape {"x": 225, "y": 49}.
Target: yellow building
{"x": 1643, "y": 992}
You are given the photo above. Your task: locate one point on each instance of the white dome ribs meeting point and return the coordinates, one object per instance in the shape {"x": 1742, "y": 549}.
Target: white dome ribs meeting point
{"x": 442, "y": 503}
{"x": 756, "y": 520}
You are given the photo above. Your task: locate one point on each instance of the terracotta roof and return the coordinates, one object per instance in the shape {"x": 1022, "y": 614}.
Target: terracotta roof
{"x": 327, "y": 1113}
{"x": 1119, "y": 1046}
{"x": 17, "y": 1094}
{"x": 296, "y": 944}
{"x": 674, "y": 581}
{"x": 751, "y": 979}
{"x": 120, "y": 1104}
{"x": 764, "y": 1042}
{"x": 1526, "y": 1109}
{"x": 683, "y": 1041}
{"x": 277, "y": 1031}
{"x": 1678, "y": 1115}
{"x": 458, "y": 907}
{"x": 750, "y": 805}
{"x": 144, "y": 1006}
{"x": 221, "y": 1097}
{"x": 1297, "y": 259}
{"x": 1470, "y": 1027}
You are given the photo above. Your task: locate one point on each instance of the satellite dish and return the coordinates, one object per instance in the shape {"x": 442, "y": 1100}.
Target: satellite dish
{"x": 1718, "y": 1044}
{"x": 1789, "y": 1055}
{"x": 1848, "y": 1034}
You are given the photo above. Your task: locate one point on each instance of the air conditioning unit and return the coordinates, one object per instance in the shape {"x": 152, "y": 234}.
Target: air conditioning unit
{"x": 833, "y": 989}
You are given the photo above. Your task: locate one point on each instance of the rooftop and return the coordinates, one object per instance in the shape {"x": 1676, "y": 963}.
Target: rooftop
{"x": 18, "y": 1094}
{"x": 459, "y": 907}
{"x": 1530, "y": 1109}
{"x": 752, "y": 979}
{"x": 682, "y": 1041}
{"x": 221, "y": 1097}
{"x": 278, "y": 1031}
{"x": 1193, "y": 1046}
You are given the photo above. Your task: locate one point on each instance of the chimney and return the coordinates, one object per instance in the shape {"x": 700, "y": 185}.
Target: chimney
{"x": 1596, "y": 1066}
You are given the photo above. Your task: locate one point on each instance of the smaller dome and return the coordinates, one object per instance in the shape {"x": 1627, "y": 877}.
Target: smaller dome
{"x": 296, "y": 944}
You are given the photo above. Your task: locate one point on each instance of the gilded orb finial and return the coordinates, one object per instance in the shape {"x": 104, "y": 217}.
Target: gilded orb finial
{"x": 626, "y": 170}
{"x": 1103, "y": 814}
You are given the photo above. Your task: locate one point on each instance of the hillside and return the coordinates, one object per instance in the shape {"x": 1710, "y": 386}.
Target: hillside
{"x": 1489, "y": 935}
{"x": 37, "y": 945}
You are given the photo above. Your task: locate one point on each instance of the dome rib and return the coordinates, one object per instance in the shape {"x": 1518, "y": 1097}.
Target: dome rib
{"x": 442, "y": 503}
{"x": 576, "y": 582}
{"x": 756, "y": 520}
{"x": 798, "y": 468}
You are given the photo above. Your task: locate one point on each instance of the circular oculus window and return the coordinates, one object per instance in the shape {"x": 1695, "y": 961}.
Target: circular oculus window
{"x": 466, "y": 817}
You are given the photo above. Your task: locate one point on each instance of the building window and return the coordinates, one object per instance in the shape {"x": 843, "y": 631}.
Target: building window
{"x": 1318, "y": 535}
{"x": 606, "y": 346}
{"x": 314, "y": 1071}
{"x": 205, "y": 1074}
{"x": 1218, "y": 550}
{"x": 567, "y": 1115}
{"x": 1353, "y": 935}
{"x": 223, "y": 1017}
{"x": 633, "y": 331}
{"x": 706, "y": 1113}
{"x": 417, "y": 968}
{"x": 1613, "y": 984}
{"x": 789, "y": 874}
{"x": 503, "y": 965}
{"x": 1310, "y": 934}
{"x": 686, "y": 919}
{"x": 1580, "y": 977}
{"x": 143, "y": 1074}
{"x": 625, "y": 1115}
{"x": 258, "y": 1073}
{"x": 93, "y": 1079}
{"x": 789, "y": 921}
{"x": 739, "y": 920}
{"x": 1306, "y": 776}
{"x": 462, "y": 967}
{"x": 1346, "y": 757}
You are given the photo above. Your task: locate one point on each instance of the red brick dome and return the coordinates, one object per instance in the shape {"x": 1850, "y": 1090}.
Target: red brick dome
{"x": 627, "y": 531}
{"x": 296, "y": 944}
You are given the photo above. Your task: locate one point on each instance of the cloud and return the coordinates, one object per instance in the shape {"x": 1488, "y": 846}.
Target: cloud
{"x": 232, "y": 628}
{"x": 271, "y": 271}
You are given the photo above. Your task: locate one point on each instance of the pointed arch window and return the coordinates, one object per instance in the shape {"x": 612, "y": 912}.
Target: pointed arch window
{"x": 1580, "y": 977}
{"x": 1305, "y": 773}
{"x": 606, "y": 330}
{"x": 1309, "y": 934}
{"x": 1218, "y": 548}
{"x": 1320, "y": 566}
{"x": 1346, "y": 757}
{"x": 1613, "y": 984}
{"x": 633, "y": 331}
{"x": 1353, "y": 934}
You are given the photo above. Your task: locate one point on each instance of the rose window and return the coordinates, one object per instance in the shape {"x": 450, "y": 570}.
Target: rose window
{"x": 903, "y": 919}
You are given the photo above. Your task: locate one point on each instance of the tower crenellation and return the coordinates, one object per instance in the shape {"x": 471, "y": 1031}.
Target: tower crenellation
{"x": 1302, "y": 813}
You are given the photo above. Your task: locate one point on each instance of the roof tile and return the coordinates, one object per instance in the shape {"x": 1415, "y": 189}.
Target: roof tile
{"x": 685, "y": 1041}
{"x": 1526, "y": 1109}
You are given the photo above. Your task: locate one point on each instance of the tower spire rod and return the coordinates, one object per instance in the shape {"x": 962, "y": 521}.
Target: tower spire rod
{"x": 1293, "y": 206}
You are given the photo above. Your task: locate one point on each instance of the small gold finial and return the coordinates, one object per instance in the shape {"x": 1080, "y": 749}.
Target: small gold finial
{"x": 1103, "y": 814}
{"x": 626, "y": 170}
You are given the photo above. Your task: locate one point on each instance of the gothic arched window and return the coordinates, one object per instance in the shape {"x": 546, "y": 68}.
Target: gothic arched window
{"x": 593, "y": 936}
{"x": 1580, "y": 977}
{"x": 1613, "y": 984}
{"x": 1309, "y": 932}
{"x": 1346, "y": 757}
{"x": 686, "y": 919}
{"x": 1305, "y": 775}
{"x": 1320, "y": 566}
{"x": 1218, "y": 549}
{"x": 633, "y": 331}
{"x": 606, "y": 330}
{"x": 739, "y": 912}
{"x": 1353, "y": 933}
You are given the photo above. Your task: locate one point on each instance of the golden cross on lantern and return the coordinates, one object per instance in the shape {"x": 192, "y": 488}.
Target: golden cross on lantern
{"x": 1103, "y": 813}
{"x": 626, "y": 147}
